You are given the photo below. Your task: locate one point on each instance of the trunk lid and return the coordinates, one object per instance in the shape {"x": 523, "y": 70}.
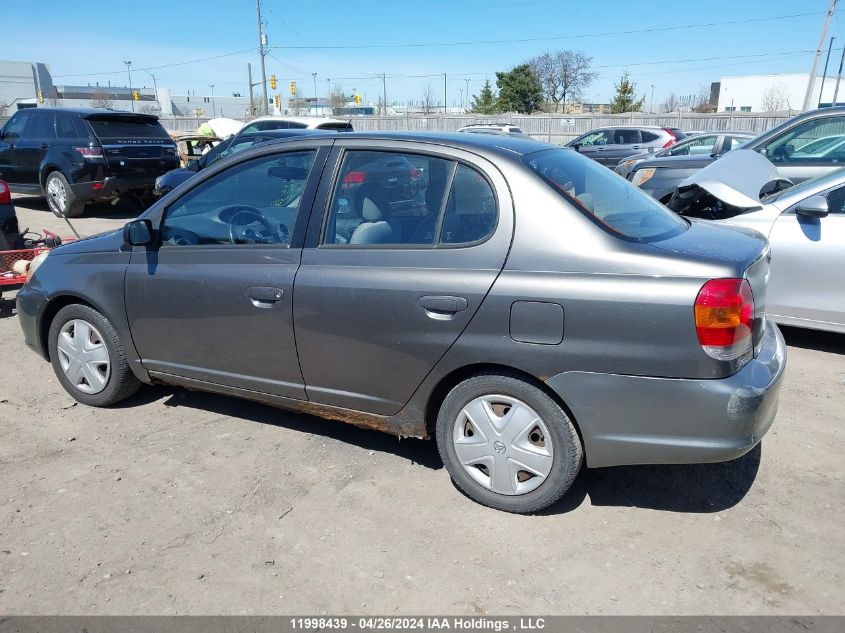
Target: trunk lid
{"x": 133, "y": 145}
{"x": 734, "y": 252}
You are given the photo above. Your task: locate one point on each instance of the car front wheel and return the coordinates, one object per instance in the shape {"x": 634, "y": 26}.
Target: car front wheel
{"x": 88, "y": 357}
{"x": 507, "y": 444}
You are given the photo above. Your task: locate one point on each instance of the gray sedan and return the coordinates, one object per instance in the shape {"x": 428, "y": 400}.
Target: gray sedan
{"x": 805, "y": 226}
{"x": 497, "y": 313}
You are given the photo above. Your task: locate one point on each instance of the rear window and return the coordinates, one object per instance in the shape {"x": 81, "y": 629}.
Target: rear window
{"x": 128, "y": 128}
{"x": 611, "y": 201}
{"x": 338, "y": 127}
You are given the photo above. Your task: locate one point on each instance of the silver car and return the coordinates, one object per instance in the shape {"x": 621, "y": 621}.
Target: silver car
{"x": 805, "y": 226}
{"x": 609, "y": 145}
{"x": 531, "y": 311}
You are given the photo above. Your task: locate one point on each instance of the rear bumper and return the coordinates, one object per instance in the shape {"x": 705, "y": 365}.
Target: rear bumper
{"x": 30, "y": 306}
{"x": 112, "y": 187}
{"x": 644, "y": 420}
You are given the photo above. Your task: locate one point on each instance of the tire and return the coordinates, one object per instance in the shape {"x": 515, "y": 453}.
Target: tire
{"x": 542, "y": 435}
{"x": 60, "y": 197}
{"x": 116, "y": 382}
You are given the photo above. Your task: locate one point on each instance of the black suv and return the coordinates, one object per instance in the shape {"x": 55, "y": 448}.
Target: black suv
{"x": 76, "y": 156}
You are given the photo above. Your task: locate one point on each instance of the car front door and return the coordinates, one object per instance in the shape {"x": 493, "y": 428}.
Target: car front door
{"x": 808, "y": 258}
{"x": 213, "y": 301}
{"x": 593, "y": 144}
{"x": 395, "y": 269}
{"x": 799, "y": 154}
{"x": 13, "y": 132}
{"x": 32, "y": 147}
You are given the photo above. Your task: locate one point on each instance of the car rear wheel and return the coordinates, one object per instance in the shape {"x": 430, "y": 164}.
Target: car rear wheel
{"x": 507, "y": 444}
{"x": 60, "y": 197}
{"x": 88, "y": 357}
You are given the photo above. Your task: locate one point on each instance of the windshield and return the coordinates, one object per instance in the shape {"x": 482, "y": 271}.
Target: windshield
{"x": 610, "y": 200}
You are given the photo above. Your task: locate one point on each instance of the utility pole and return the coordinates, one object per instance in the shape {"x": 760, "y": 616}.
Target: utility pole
{"x": 262, "y": 45}
{"x": 824, "y": 74}
{"x": 839, "y": 76}
{"x": 213, "y": 107}
{"x": 651, "y": 107}
{"x": 249, "y": 83}
{"x": 131, "y": 96}
{"x": 466, "y": 79}
{"x": 811, "y": 82}
{"x": 384, "y": 92}
{"x": 314, "y": 76}
{"x": 444, "y": 93}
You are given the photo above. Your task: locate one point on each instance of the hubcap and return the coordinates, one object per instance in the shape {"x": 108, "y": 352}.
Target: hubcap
{"x": 503, "y": 444}
{"x": 56, "y": 193}
{"x": 83, "y": 356}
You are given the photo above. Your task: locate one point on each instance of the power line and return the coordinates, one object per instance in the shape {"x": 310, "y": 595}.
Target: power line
{"x": 549, "y": 38}
{"x": 173, "y": 65}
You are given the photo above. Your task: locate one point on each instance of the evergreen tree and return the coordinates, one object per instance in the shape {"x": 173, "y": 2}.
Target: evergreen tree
{"x": 625, "y": 99}
{"x": 485, "y": 101}
{"x": 519, "y": 90}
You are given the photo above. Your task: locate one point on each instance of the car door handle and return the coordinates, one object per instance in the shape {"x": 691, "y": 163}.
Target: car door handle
{"x": 442, "y": 307}
{"x": 265, "y": 296}
{"x": 45, "y": 145}
{"x": 635, "y": 147}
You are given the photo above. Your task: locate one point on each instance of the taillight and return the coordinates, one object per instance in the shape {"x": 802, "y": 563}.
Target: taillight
{"x": 354, "y": 178}
{"x": 414, "y": 173}
{"x": 90, "y": 151}
{"x": 724, "y": 318}
{"x": 672, "y": 139}
{"x": 5, "y": 193}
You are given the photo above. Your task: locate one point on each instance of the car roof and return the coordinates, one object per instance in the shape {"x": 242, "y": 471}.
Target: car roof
{"x": 501, "y": 145}
{"x": 307, "y": 120}
{"x": 86, "y": 113}
{"x": 281, "y": 133}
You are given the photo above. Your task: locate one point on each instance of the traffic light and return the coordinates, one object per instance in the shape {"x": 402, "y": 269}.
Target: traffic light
{"x": 293, "y": 87}
{"x": 357, "y": 99}
{"x": 40, "y": 96}
{"x": 136, "y": 95}
{"x": 273, "y": 82}
{"x": 278, "y": 101}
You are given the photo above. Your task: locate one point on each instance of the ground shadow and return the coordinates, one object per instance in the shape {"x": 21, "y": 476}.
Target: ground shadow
{"x": 125, "y": 209}
{"x": 692, "y": 488}
{"x": 830, "y": 342}
{"x": 417, "y": 451}
{"x": 7, "y": 304}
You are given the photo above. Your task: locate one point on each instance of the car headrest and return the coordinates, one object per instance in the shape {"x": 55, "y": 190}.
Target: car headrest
{"x": 370, "y": 210}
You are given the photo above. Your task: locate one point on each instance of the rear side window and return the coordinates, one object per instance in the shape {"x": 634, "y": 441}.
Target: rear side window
{"x": 127, "y": 127}
{"x": 41, "y": 126}
{"x": 649, "y": 137}
{"x": 626, "y": 137}
{"x": 70, "y": 127}
{"x": 612, "y": 202}
{"x": 402, "y": 199}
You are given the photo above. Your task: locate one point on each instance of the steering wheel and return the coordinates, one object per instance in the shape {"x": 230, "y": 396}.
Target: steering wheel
{"x": 246, "y": 211}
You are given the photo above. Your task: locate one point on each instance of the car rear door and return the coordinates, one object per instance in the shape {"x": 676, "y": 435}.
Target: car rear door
{"x": 33, "y": 146}
{"x": 134, "y": 145}
{"x": 625, "y": 141}
{"x": 808, "y": 259}
{"x": 385, "y": 289}
{"x": 213, "y": 301}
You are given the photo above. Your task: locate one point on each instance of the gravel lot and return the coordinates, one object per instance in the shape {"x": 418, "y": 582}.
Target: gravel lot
{"x": 179, "y": 502}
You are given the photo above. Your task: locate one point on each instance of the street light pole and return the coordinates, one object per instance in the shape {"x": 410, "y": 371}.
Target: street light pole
{"x": 466, "y": 79}
{"x": 651, "y": 107}
{"x": 824, "y": 74}
{"x": 314, "y": 76}
{"x": 213, "y": 108}
{"x": 155, "y": 86}
{"x": 131, "y": 96}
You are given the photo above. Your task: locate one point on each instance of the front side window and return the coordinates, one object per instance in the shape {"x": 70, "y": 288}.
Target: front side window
{"x": 596, "y": 137}
{"x": 16, "y": 125}
{"x": 255, "y": 202}
{"x": 611, "y": 201}
{"x": 405, "y": 199}
{"x": 815, "y": 141}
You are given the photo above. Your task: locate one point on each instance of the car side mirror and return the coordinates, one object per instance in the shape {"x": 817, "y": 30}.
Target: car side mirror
{"x": 193, "y": 165}
{"x": 813, "y": 207}
{"x": 138, "y": 233}
{"x": 576, "y": 147}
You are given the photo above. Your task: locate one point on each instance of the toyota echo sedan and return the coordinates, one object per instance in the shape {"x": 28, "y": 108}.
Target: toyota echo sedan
{"x": 531, "y": 310}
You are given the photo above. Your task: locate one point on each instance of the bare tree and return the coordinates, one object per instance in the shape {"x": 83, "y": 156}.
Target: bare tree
{"x": 337, "y": 99}
{"x": 4, "y": 108}
{"x": 101, "y": 99}
{"x": 700, "y": 101}
{"x": 298, "y": 104}
{"x": 564, "y": 76}
{"x": 146, "y": 108}
{"x": 427, "y": 101}
{"x": 775, "y": 99}
{"x": 672, "y": 103}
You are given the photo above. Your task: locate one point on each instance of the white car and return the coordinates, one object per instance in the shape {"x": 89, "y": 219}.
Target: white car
{"x": 272, "y": 122}
{"x": 804, "y": 223}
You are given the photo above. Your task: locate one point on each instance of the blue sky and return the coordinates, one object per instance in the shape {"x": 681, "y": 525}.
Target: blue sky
{"x": 87, "y": 42}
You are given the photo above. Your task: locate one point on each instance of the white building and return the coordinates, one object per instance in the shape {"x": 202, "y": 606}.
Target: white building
{"x": 767, "y": 93}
